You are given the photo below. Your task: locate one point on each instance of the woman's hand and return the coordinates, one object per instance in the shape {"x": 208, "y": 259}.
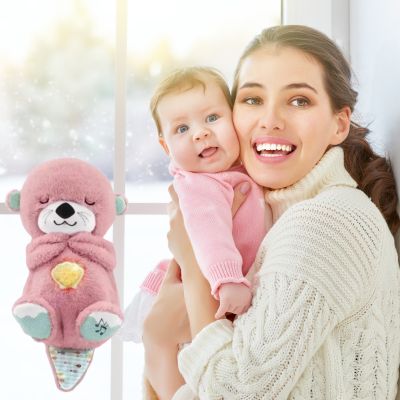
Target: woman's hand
{"x": 178, "y": 240}
{"x": 167, "y": 323}
{"x": 240, "y": 193}
{"x": 166, "y": 327}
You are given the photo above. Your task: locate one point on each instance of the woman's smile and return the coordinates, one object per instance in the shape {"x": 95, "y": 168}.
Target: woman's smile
{"x": 270, "y": 149}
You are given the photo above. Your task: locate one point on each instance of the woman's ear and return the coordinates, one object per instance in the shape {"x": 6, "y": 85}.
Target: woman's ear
{"x": 121, "y": 203}
{"x": 163, "y": 144}
{"x": 13, "y": 200}
{"x": 343, "y": 118}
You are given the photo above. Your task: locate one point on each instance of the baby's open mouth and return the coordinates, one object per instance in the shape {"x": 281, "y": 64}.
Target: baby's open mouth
{"x": 208, "y": 152}
{"x": 271, "y": 149}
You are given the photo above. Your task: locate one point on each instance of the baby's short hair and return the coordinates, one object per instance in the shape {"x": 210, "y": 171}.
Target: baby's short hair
{"x": 183, "y": 79}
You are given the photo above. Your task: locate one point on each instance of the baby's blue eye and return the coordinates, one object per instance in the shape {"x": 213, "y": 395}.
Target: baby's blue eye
{"x": 182, "y": 129}
{"x": 212, "y": 118}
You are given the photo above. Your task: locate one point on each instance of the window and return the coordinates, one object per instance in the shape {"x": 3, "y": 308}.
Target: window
{"x": 58, "y": 96}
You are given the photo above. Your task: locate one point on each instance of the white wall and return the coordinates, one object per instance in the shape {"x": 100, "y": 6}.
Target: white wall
{"x": 328, "y": 16}
{"x": 375, "y": 57}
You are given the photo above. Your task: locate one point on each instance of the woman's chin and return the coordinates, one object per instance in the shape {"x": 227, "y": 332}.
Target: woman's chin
{"x": 271, "y": 183}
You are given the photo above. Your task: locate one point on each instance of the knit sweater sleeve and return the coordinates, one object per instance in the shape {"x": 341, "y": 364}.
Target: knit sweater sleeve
{"x": 206, "y": 202}
{"x": 316, "y": 269}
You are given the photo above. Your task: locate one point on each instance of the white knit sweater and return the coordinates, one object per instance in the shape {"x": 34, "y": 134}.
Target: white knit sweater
{"x": 325, "y": 318}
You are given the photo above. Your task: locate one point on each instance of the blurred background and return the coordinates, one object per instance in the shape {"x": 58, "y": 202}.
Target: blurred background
{"x": 57, "y": 99}
{"x": 57, "y": 78}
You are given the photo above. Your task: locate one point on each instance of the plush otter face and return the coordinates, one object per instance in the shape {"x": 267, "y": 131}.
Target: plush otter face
{"x": 67, "y": 196}
{"x": 66, "y": 217}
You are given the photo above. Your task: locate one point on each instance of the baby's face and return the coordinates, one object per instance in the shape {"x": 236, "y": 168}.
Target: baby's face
{"x": 197, "y": 128}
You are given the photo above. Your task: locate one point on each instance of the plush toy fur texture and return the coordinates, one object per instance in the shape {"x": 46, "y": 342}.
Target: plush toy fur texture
{"x": 75, "y": 181}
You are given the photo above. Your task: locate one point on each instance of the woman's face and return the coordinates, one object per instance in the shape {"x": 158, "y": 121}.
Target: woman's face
{"x": 283, "y": 116}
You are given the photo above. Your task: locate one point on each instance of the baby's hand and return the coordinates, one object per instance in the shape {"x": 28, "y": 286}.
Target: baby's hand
{"x": 234, "y": 298}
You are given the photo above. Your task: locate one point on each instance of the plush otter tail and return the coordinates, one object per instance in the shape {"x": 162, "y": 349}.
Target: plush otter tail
{"x": 69, "y": 365}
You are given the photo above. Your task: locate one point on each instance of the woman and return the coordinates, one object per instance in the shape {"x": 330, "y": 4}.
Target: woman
{"x": 325, "y": 317}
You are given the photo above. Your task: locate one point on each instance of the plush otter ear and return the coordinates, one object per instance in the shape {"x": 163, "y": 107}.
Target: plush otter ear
{"x": 13, "y": 200}
{"x": 120, "y": 204}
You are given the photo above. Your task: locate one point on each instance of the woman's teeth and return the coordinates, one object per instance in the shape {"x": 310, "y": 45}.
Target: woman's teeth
{"x": 274, "y": 147}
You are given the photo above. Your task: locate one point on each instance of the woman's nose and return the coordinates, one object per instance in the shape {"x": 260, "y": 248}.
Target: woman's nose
{"x": 201, "y": 134}
{"x": 272, "y": 119}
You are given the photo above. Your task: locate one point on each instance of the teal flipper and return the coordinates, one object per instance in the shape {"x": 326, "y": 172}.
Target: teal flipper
{"x": 38, "y": 327}
{"x": 69, "y": 365}
{"x": 96, "y": 331}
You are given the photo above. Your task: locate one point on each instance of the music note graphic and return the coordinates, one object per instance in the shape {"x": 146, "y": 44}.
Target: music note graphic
{"x": 102, "y": 327}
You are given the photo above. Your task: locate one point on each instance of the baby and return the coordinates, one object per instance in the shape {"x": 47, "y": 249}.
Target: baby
{"x": 192, "y": 109}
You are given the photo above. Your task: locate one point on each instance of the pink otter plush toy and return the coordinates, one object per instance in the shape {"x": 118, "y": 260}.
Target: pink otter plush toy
{"x": 70, "y": 300}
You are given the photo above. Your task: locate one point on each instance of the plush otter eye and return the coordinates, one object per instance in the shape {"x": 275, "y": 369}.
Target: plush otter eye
{"x": 89, "y": 203}
{"x": 44, "y": 200}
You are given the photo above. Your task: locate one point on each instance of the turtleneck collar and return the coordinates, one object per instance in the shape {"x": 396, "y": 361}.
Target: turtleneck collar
{"x": 329, "y": 171}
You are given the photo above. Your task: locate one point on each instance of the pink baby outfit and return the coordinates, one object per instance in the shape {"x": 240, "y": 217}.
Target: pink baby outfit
{"x": 225, "y": 247}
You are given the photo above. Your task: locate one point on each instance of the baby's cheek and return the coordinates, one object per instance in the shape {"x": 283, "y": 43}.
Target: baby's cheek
{"x": 185, "y": 158}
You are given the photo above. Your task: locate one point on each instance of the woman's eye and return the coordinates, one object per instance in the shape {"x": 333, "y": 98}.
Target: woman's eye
{"x": 300, "y": 102}
{"x": 212, "y": 118}
{"x": 182, "y": 129}
{"x": 89, "y": 203}
{"x": 252, "y": 100}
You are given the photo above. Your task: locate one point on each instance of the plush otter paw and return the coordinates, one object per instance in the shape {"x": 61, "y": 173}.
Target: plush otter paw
{"x": 100, "y": 325}
{"x": 34, "y": 320}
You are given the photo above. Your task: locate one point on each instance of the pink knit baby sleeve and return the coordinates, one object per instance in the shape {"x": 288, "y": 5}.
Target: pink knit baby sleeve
{"x": 206, "y": 202}
{"x": 154, "y": 279}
